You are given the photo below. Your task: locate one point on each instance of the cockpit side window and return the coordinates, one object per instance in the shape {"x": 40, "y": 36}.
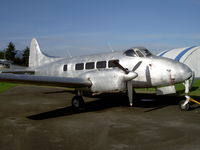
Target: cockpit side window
{"x": 130, "y": 52}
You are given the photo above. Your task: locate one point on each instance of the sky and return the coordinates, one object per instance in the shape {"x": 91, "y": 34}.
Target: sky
{"x": 81, "y": 27}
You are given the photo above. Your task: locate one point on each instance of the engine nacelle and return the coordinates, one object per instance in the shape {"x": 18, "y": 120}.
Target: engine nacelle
{"x": 106, "y": 80}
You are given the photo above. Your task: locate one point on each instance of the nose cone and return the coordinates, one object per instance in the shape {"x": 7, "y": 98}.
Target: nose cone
{"x": 183, "y": 72}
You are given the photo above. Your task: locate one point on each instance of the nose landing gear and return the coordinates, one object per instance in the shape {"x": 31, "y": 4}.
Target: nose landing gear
{"x": 184, "y": 105}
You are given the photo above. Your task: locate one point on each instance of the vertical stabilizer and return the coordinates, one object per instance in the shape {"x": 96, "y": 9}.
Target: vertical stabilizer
{"x": 36, "y": 57}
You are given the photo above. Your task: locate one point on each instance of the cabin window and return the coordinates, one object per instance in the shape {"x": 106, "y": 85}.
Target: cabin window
{"x": 79, "y": 66}
{"x": 89, "y": 65}
{"x": 111, "y": 64}
{"x": 101, "y": 64}
{"x": 65, "y": 68}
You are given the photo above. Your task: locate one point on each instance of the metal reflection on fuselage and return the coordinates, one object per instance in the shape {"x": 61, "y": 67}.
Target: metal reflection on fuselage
{"x": 153, "y": 71}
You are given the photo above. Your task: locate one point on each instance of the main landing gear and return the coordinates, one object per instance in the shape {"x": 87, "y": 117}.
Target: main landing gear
{"x": 78, "y": 102}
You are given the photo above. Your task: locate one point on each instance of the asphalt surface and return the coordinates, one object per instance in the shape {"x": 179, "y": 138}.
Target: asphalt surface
{"x": 42, "y": 118}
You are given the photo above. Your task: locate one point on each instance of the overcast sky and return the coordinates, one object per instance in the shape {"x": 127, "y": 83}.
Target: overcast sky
{"x": 93, "y": 26}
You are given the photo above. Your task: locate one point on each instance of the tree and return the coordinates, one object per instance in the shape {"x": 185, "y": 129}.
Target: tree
{"x": 10, "y": 52}
{"x": 1, "y": 55}
{"x": 25, "y": 58}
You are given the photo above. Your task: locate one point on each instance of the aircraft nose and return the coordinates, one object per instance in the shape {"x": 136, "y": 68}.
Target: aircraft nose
{"x": 184, "y": 72}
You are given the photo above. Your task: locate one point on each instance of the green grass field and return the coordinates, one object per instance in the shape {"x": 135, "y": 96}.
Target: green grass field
{"x": 195, "y": 91}
{"x": 6, "y": 86}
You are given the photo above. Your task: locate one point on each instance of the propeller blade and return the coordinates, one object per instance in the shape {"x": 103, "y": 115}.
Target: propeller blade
{"x": 136, "y": 66}
{"x": 187, "y": 86}
{"x": 126, "y": 71}
{"x": 129, "y": 78}
{"x": 192, "y": 80}
{"x": 188, "y": 83}
{"x": 130, "y": 92}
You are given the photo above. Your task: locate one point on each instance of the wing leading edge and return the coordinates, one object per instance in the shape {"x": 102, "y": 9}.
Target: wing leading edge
{"x": 45, "y": 80}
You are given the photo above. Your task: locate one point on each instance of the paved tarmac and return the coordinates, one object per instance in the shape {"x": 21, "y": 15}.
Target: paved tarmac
{"x": 41, "y": 118}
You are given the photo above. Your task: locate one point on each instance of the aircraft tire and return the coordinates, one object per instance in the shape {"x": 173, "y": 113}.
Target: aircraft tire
{"x": 78, "y": 103}
{"x": 184, "y": 108}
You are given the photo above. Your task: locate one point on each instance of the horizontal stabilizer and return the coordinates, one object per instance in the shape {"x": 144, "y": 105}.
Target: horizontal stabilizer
{"x": 45, "y": 80}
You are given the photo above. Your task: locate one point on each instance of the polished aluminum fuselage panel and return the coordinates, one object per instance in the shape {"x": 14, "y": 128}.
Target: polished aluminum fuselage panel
{"x": 154, "y": 71}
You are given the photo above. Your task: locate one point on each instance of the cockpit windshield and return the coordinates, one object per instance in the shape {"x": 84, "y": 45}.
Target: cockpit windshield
{"x": 146, "y": 52}
{"x": 137, "y": 52}
{"x": 130, "y": 52}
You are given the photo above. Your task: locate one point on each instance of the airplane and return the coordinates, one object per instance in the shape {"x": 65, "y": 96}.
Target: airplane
{"x": 112, "y": 72}
{"x": 5, "y": 63}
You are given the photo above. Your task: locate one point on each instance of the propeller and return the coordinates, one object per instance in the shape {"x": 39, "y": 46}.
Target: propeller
{"x": 188, "y": 83}
{"x": 130, "y": 75}
{"x": 136, "y": 66}
{"x": 116, "y": 63}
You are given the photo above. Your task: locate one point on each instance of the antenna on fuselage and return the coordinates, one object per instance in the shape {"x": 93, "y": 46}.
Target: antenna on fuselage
{"x": 69, "y": 54}
{"x": 110, "y": 46}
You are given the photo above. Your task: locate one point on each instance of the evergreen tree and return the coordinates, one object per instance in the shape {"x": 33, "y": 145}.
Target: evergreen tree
{"x": 1, "y": 55}
{"x": 25, "y": 58}
{"x": 10, "y": 52}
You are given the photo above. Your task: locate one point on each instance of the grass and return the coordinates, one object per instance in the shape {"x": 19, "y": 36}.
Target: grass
{"x": 195, "y": 91}
{"x": 180, "y": 89}
{"x": 6, "y": 86}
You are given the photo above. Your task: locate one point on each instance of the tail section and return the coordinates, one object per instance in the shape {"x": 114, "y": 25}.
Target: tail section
{"x": 36, "y": 57}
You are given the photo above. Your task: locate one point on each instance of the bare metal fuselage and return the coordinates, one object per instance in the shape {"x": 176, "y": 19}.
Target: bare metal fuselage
{"x": 154, "y": 71}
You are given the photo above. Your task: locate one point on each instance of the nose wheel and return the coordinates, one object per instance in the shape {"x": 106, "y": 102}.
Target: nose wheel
{"x": 78, "y": 103}
{"x": 184, "y": 105}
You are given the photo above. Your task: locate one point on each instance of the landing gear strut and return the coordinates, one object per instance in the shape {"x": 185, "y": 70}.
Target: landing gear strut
{"x": 184, "y": 105}
{"x": 78, "y": 103}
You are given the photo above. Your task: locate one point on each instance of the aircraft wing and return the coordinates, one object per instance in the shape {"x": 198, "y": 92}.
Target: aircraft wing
{"x": 45, "y": 80}
{"x": 18, "y": 71}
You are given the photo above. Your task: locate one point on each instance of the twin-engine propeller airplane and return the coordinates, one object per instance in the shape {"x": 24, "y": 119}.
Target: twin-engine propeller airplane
{"x": 113, "y": 72}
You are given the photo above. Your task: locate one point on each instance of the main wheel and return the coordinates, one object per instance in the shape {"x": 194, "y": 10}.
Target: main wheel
{"x": 78, "y": 103}
{"x": 183, "y": 107}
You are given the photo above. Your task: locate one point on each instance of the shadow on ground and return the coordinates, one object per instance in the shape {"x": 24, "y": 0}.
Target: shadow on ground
{"x": 62, "y": 91}
{"x": 150, "y": 101}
